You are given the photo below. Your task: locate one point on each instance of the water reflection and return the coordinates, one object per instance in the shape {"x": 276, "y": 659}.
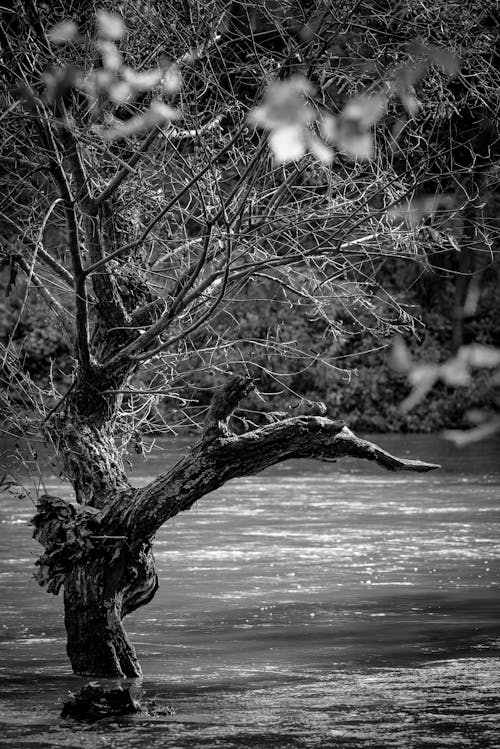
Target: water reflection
{"x": 311, "y": 606}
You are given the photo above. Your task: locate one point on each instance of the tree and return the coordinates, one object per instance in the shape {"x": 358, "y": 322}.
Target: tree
{"x": 149, "y": 215}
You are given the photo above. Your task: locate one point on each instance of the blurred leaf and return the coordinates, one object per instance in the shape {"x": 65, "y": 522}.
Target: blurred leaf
{"x": 328, "y": 128}
{"x": 405, "y": 79}
{"x": 476, "y": 416}
{"x": 462, "y": 437}
{"x": 481, "y": 356}
{"x": 356, "y": 144}
{"x": 58, "y": 82}
{"x": 422, "y": 377}
{"x": 409, "y": 101}
{"x": 109, "y": 25}
{"x": 408, "y": 75}
{"x": 171, "y": 80}
{"x": 400, "y": 359}
{"x": 110, "y": 55}
{"x": 351, "y": 130}
{"x": 63, "y": 32}
{"x": 444, "y": 57}
{"x": 287, "y": 143}
{"x": 455, "y": 372}
{"x": 365, "y": 110}
{"x": 158, "y": 114}
{"x": 319, "y": 150}
{"x": 284, "y": 104}
{"x": 142, "y": 80}
{"x": 120, "y": 92}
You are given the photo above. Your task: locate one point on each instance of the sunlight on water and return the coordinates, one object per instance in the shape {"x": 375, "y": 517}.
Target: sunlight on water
{"x": 310, "y": 606}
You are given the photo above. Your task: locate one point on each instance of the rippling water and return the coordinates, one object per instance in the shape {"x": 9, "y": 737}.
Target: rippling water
{"x": 310, "y": 606}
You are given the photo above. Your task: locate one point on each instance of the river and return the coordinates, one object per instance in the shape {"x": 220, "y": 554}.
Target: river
{"x": 314, "y": 605}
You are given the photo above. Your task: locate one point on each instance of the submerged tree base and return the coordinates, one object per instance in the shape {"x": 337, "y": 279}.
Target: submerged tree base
{"x": 100, "y": 553}
{"x": 93, "y": 702}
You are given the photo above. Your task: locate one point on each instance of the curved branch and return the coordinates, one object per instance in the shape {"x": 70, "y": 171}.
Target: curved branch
{"x": 220, "y": 456}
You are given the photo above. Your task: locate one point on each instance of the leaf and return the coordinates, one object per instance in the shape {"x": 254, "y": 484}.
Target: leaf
{"x": 445, "y": 58}
{"x": 436, "y": 236}
{"x": 408, "y": 75}
{"x": 287, "y": 143}
{"x": 110, "y": 55}
{"x": 328, "y": 128}
{"x": 162, "y": 112}
{"x": 319, "y": 150}
{"x": 171, "y": 81}
{"x": 453, "y": 241}
{"x": 142, "y": 80}
{"x": 63, "y": 32}
{"x": 120, "y": 92}
{"x": 462, "y": 437}
{"x": 365, "y": 110}
{"x": 409, "y": 101}
{"x": 284, "y": 104}
{"x": 59, "y": 81}
{"x": 109, "y": 25}
{"x": 357, "y": 145}
{"x": 455, "y": 372}
{"x": 482, "y": 357}
{"x": 158, "y": 114}
{"x": 422, "y": 377}
{"x": 400, "y": 360}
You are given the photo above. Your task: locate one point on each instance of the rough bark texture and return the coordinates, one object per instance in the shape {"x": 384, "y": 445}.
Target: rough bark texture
{"x": 101, "y": 551}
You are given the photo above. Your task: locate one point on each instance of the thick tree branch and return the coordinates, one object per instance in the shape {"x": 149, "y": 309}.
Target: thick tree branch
{"x": 81, "y": 301}
{"x": 220, "y": 456}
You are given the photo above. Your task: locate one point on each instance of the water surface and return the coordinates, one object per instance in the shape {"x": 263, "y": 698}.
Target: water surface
{"x": 314, "y": 605}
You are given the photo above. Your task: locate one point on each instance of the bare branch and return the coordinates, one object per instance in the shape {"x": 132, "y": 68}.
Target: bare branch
{"x": 126, "y": 170}
{"x": 60, "y": 312}
{"x": 137, "y": 242}
{"x": 220, "y": 456}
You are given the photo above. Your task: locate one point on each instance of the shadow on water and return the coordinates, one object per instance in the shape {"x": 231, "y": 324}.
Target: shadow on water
{"x": 311, "y": 606}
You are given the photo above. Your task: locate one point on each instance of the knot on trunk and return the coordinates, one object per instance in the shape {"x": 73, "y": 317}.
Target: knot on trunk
{"x": 69, "y": 534}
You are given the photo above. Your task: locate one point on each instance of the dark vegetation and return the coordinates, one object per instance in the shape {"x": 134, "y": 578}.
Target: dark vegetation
{"x": 369, "y": 395}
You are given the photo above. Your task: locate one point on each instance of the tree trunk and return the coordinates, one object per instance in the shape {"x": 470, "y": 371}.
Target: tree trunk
{"x": 100, "y": 550}
{"x": 97, "y": 644}
{"x": 97, "y": 596}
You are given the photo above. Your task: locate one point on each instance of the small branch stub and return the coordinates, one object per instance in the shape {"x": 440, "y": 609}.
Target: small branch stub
{"x": 223, "y": 404}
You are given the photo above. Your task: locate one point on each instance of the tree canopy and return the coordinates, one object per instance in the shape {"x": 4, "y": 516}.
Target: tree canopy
{"x": 150, "y": 215}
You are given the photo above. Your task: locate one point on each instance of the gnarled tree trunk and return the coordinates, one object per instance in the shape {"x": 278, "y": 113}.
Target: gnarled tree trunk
{"x": 100, "y": 551}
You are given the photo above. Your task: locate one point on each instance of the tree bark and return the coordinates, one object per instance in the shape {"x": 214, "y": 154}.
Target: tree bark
{"x": 97, "y": 644}
{"x": 220, "y": 456}
{"x": 104, "y": 577}
{"x": 101, "y": 551}
{"x": 97, "y": 596}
